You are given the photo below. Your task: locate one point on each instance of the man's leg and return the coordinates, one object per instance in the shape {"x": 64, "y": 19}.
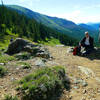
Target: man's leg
{"x": 88, "y": 49}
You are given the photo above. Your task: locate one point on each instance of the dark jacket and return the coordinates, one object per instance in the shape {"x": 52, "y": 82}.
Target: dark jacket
{"x": 91, "y": 41}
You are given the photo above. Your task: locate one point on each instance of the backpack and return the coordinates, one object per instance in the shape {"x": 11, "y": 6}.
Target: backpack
{"x": 76, "y": 50}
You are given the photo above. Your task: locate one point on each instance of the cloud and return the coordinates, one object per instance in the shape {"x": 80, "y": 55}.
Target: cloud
{"x": 22, "y": 1}
{"x": 32, "y": 4}
{"x": 91, "y": 7}
{"x": 73, "y": 16}
{"x": 78, "y": 16}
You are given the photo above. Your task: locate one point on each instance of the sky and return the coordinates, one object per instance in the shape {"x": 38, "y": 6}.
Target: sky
{"x": 78, "y": 11}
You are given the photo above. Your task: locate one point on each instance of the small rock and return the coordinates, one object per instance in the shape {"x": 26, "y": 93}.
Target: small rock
{"x": 9, "y": 74}
{"x": 39, "y": 63}
{"x": 76, "y": 81}
{"x": 17, "y": 68}
{"x": 52, "y": 63}
{"x": 2, "y": 64}
{"x": 33, "y": 82}
{"x": 98, "y": 91}
{"x": 76, "y": 87}
{"x": 83, "y": 98}
{"x": 59, "y": 45}
{"x": 13, "y": 79}
{"x": 98, "y": 79}
{"x": 84, "y": 84}
{"x": 5, "y": 89}
{"x": 43, "y": 54}
{"x": 84, "y": 91}
{"x": 43, "y": 88}
{"x": 70, "y": 97}
{"x": 1, "y": 87}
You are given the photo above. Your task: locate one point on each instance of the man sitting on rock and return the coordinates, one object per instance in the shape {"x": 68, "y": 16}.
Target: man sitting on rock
{"x": 87, "y": 43}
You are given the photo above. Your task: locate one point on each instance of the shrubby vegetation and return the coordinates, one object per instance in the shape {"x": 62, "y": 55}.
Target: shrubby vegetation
{"x": 24, "y": 65}
{"x": 43, "y": 84}
{"x": 6, "y": 58}
{"x": 3, "y": 71}
{"x": 9, "y": 97}
{"x": 17, "y": 25}
{"x": 23, "y": 56}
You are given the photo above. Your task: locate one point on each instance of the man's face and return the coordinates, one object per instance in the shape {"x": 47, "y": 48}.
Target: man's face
{"x": 87, "y": 35}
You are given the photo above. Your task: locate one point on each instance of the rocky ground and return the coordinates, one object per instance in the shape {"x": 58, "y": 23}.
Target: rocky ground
{"x": 83, "y": 72}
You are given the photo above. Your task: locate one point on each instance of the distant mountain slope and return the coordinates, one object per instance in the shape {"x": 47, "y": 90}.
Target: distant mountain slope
{"x": 89, "y": 27}
{"x": 59, "y": 24}
{"x": 94, "y": 25}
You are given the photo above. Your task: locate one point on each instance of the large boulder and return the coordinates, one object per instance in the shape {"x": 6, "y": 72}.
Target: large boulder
{"x": 18, "y": 45}
{"x": 23, "y": 45}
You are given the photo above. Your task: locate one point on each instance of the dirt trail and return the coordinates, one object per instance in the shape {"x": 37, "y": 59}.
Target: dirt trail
{"x": 72, "y": 63}
{"x": 85, "y": 80}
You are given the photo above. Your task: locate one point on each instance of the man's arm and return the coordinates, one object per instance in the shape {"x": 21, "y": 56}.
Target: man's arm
{"x": 82, "y": 41}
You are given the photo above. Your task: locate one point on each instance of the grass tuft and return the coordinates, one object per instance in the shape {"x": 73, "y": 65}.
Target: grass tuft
{"x": 23, "y": 56}
{"x": 8, "y": 97}
{"x": 24, "y": 65}
{"x": 6, "y": 58}
{"x": 3, "y": 71}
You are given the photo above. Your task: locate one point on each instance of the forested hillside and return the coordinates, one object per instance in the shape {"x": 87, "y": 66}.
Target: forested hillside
{"x": 14, "y": 24}
{"x": 62, "y": 25}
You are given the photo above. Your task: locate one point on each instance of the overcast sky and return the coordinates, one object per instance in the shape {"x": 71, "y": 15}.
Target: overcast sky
{"x": 78, "y": 11}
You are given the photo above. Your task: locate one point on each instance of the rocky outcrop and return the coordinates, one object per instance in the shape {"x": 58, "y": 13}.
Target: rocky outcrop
{"x": 23, "y": 45}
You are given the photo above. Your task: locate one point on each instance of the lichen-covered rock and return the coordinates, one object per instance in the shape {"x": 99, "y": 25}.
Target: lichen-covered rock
{"x": 40, "y": 63}
{"x": 18, "y": 45}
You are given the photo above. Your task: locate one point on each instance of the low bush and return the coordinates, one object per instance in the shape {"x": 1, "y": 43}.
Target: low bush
{"x": 24, "y": 65}
{"x": 3, "y": 71}
{"x": 8, "y": 97}
{"x": 6, "y": 58}
{"x": 23, "y": 56}
{"x": 43, "y": 84}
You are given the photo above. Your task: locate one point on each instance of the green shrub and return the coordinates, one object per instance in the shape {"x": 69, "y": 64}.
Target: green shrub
{"x": 6, "y": 58}
{"x": 43, "y": 83}
{"x": 8, "y": 97}
{"x": 24, "y": 65}
{"x": 23, "y": 56}
{"x": 3, "y": 71}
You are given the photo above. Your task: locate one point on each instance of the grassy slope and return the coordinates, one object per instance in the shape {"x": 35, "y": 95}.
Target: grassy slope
{"x": 5, "y": 40}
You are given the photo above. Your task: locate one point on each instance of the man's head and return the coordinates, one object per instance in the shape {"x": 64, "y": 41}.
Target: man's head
{"x": 86, "y": 34}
